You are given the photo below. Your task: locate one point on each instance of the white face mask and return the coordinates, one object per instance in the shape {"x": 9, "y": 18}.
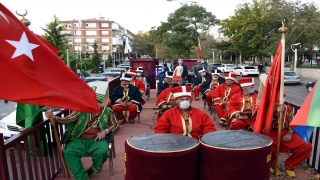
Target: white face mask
{"x": 184, "y": 104}
{"x": 138, "y": 74}
{"x": 203, "y": 74}
{"x": 180, "y": 62}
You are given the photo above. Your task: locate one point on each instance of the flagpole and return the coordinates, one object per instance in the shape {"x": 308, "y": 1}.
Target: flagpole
{"x": 283, "y": 31}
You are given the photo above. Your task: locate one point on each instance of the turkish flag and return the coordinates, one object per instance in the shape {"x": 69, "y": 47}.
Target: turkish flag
{"x": 270, "y": 96}
{"x": 31, "y": 72}
{"x": 199, "y": 48}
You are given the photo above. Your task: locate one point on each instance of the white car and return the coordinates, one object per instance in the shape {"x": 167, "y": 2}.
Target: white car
{"x": 291, "y": 77}
{"x": 226, "y": 67}
{"x": 246, "y": 71}
{"x": 8, "y": 126}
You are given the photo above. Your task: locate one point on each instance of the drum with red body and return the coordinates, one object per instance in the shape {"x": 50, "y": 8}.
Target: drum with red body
{"x": 228, "y": 155}
{"x": 161, "y": 157}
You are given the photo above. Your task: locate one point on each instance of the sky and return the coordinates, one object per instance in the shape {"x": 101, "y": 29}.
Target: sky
{"x": 134, "y": 15}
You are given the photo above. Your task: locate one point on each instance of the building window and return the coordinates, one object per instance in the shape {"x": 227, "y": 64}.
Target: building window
{"x": 104, "y": 24}
{"x": 91, "y": 32}
{"x": 105, "y": 47}
{"x": 90, "y": 41}
{"x": 77, "y": 48}
{"x": 76, "y": 25}
{"x": 105, "y": 40}
{"x": 89, "y": 48}
{"x": 77, "y": 33}
{"x": 91, "y": 25}
{"x": 77, "y": 40}
{"x": 104, "y": 32}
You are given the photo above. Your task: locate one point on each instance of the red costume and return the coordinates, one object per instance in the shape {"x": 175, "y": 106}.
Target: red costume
{"x": 297, "y": 146}
{"x": 244, "y": 105}
{"x": 222, "y": 92}
{"x": 164, "y": 97}
{"x": 172, "y": 121}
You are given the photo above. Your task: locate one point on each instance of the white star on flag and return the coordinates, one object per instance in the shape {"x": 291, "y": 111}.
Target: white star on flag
{"x": 23, "y": 47}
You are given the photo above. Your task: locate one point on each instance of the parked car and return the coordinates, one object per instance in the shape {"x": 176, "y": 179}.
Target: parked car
{"x": 310, "y": 85}
{"x": 120, "y": 70}
{"x": 291, "y": 77}
{"x": 111, "y": 75}
{"x": 246, "y": 71}
{"x": 214, "y": 66}
{"x": 96, "y": 78}
{"x": 9, "y": 128}
{"x": 226, "y": 68}
{"x": 124, "y": 65}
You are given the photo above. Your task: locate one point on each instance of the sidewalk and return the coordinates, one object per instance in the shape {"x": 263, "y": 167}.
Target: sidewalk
{"x": 147, "y": 126}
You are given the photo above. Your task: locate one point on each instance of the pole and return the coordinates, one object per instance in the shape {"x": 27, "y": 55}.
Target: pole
{"x": 282, "y": 30}
{"x": 295, "y": 59}
{"x": 56, "y": 137}
{"x": 104, "y": 60}
{"x": 212, "y": 56}
{"x": 67, "y": 50}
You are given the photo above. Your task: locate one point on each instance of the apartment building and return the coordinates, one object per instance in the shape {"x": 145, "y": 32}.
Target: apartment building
{"x": 110, "y": 36}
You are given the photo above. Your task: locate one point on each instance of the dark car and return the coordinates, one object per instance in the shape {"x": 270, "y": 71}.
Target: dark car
{"x": 97, "y": 78}
{"x": 310, "y": 85}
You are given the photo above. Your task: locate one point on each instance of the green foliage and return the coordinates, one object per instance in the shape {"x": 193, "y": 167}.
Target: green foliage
{"x": 96, "y": 60}
{"x": 299, "y": 63}
{"x": 87, "y": 65}
{"x": 109, "y": 64}
{"x": 53, "y": 36}
{"x": 180, "y": 33}
{"x": 266, "y": 63}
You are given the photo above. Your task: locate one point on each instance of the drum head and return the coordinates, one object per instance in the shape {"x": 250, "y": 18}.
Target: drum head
{"x": 235, "y": 140}
{"x": 162, "y": 143}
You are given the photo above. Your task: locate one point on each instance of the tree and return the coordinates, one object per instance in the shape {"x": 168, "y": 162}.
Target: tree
{"x": 96, "y": 60}
{"x": 109, "y": 60}
{"x": 53, "y": 36}
{"x": 180, "y": 33}
{"x": 141, "y": 43}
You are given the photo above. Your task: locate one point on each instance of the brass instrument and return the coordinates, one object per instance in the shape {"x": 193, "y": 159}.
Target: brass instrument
{"x": 125, "y": 100}
{"x": 186, "y": 120}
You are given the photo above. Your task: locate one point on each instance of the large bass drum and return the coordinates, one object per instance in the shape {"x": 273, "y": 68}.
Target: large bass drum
{"x": 161, "y": 157}
{"x": 234, "y": 155}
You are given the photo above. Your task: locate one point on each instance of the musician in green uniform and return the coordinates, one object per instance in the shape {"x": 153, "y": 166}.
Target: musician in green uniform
{"x": 86, "y": 137}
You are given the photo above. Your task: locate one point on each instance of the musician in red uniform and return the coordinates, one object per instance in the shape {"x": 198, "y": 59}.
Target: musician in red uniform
{"x": 222, "y": 94}
{"x": 242, "y": 106}
{"x": 136, "y": 82}
{"x": 127, "y": 98}
{"x": 209, "y": 86}
{"x": 184, "y": 119}
{"x": 165, "y": 100}
{"x": 289, "y": 142}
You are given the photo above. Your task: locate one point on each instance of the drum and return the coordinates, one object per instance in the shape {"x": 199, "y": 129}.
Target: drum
{"x": 161, "y": 156}
{"x": 232, "y": 155}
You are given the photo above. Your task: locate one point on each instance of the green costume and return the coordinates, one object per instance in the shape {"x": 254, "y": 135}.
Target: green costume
{"x": 77, "y": 148}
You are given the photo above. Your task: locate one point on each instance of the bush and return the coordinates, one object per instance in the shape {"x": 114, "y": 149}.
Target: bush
{"x": 87, "y": 65}
{"x": 266, "y": 64}
{"x": 299, "y": 63}
{"x": 85, "y": 74}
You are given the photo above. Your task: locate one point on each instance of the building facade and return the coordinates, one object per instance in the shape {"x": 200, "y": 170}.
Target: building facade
{"x": 110, "y": 36}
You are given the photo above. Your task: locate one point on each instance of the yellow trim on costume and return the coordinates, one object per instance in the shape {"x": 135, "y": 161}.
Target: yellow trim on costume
{"x": 234, "y": 113}
{"x": 160, "y": 103}
{"x": 135, "y": 101}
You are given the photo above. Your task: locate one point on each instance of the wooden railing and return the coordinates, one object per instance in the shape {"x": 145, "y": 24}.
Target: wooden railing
{"x": 32, "y": 154}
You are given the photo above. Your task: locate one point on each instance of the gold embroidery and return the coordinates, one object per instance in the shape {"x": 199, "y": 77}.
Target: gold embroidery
{"x": 268, "y": 158}
{"x": 73, "y": 133}
{"x": 226, "y": 94}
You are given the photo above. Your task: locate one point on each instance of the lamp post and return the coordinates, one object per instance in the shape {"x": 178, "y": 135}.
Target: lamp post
{"x": 212, "y": 56}
{"x": 67, "y": 47}
{"x": 295, "y": 55}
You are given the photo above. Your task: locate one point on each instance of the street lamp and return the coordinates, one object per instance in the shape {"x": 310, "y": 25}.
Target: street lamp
{"x": 67, "y": 47}
{"x": 295, "y": 55}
